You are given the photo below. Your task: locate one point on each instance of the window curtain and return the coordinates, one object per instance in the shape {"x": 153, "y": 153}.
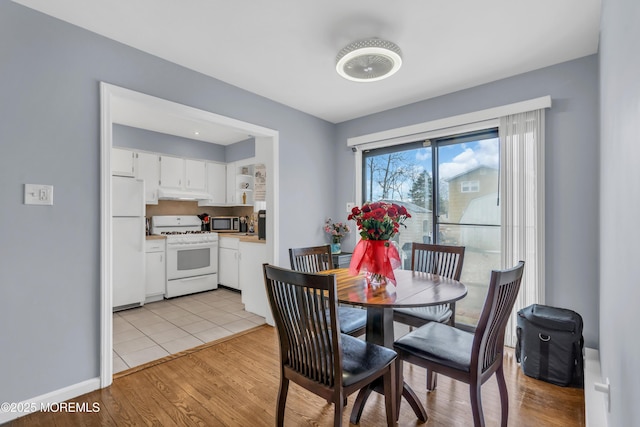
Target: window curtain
{"x": 522, "y": 206}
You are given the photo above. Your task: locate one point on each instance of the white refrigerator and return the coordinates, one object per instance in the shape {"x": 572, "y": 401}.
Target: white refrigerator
{"x": 128, "y": 231}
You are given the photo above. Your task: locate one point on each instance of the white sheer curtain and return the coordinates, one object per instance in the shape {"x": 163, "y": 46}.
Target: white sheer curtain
{"x": 522, "y": 201}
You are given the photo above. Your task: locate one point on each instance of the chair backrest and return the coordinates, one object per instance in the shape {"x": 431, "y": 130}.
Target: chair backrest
{"x": 488, "y": 340}
{"x": 304, "y": 311}
{"x": 311, "y": 259}
{"x": 437, "y": 259}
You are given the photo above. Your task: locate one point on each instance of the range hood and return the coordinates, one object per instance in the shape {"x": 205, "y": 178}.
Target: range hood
{"x": 169, "y": 194}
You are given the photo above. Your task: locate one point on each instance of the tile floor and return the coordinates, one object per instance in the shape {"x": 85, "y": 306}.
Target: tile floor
{"x": 158, "y": 329}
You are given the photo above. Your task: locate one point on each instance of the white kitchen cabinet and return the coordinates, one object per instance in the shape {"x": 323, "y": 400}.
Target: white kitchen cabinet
{"x": 183, "y": 174}
{"x": 148, "y": 170}
{"x": 195, "y": 175}
{"x": 122, "y": 162}
{"x": 217, "y": 182}
{"x": 254, "y": 295}
{"x": 171, "y": 172}
{"x": 155, "y": 270}
{"x": 229, "y": 262}
{"x": 231, "y": 183}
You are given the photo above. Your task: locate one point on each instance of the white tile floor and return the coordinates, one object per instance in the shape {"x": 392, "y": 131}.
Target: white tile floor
{"x": 158, "y": 329}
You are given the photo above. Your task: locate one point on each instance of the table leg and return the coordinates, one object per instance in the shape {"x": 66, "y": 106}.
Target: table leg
{"x": 380, "y": 331}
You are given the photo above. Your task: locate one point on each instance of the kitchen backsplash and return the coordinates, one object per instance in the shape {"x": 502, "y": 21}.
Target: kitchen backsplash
{"x": 177, "y": 207}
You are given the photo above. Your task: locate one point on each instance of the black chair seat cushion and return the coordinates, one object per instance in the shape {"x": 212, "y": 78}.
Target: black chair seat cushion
{"x": 351, "y": 319}
{"x": 361, "y": 359}
{"x": 437, "y": 313}
{"x": 439, "y": 343}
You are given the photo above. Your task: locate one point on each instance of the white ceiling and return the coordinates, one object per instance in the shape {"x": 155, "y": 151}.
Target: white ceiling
{"x": 285, "y": 49}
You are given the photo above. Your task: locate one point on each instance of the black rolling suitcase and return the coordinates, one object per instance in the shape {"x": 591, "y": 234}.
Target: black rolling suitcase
{"x": 550, "y": 344}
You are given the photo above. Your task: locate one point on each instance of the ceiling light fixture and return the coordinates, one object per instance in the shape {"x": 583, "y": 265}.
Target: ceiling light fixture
{"x": 368, "y": 60}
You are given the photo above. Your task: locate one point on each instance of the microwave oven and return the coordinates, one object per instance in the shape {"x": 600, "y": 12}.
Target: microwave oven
{"x": 224, "y": 224}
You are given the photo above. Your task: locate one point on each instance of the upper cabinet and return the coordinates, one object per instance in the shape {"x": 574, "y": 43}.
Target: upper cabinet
{"x": 122, "y": 162}
{"x": 171, "y": 172}
{"x": 182, "y": 174}
{"x": 216, "y": 183}
{"x": 195, "y": 175}
{"x": 148, "y": 169}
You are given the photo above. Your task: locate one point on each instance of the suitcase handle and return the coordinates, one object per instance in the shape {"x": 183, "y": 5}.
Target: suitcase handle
{"x": 544, "y": 338}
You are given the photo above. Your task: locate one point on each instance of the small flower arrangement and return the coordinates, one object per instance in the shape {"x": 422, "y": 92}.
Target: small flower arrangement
{"x": 337, "y": 230}
{"x": 379, "y": 220}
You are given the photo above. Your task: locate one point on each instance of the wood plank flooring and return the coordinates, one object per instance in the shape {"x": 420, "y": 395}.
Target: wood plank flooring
{"x": 234, "y": 382}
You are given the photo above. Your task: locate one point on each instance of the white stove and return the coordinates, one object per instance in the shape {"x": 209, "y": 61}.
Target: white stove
{"x": 192, "y": 254}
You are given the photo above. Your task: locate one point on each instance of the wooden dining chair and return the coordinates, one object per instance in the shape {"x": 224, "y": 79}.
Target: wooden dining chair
{"x": 468, "y": 357}
{"x": 353, "y": 321}
{"x": 436, "y": 259}
{"x": 313, "y": 353}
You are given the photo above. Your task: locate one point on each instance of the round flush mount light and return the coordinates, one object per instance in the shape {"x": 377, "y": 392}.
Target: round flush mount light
{"x": 368, "y": 60}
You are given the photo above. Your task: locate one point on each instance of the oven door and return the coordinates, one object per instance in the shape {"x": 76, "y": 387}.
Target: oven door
{"x": 191, "y": 259}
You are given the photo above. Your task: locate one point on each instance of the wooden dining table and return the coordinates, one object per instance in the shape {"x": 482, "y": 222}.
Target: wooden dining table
{"x": 412, "y": 289}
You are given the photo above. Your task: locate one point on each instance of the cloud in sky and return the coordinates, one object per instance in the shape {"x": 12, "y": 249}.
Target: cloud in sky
{"x": 482, "y": 153}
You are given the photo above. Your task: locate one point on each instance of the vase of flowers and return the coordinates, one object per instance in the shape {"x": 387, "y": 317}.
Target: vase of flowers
{"x": 337, "y": 230}
{"x": 378, "y": 222}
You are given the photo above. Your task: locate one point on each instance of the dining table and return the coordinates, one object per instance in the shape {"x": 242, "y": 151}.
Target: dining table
{"x": 411, "y": 289}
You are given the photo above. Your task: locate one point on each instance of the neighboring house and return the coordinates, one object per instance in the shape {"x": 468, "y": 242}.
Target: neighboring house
{"x": 470, "y": 185}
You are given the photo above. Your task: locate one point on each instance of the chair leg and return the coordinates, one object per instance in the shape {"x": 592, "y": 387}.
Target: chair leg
{"x": 504, "y": 397}
{"x": 476, "y": 404}
{"x": 432, "y": 380}
{"x": 282, "y": 400}
{"x": 337, "y": 415}
{"x": 390, "y": 391}
{"x": 400, "y": 384}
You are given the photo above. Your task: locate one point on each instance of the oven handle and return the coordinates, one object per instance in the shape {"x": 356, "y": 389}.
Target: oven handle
{"x": 181, "y": 246}
{"x": 188, "y": 279}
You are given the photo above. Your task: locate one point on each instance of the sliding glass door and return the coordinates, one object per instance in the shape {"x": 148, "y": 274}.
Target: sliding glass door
{"x": 450, "y": 187}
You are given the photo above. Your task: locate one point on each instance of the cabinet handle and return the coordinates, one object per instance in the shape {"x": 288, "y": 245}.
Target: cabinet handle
{"x": 161, "y": 258}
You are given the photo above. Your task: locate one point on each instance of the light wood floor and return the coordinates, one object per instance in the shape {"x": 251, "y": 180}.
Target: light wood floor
{"x": 234, "y": 382}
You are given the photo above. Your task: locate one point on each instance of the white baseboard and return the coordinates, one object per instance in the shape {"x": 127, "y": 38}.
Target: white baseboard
{"x": 595, "y": 402}
{"x": 55, "y": 396}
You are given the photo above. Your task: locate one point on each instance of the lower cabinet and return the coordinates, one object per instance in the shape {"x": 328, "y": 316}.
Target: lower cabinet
{"x": 156, "y": 274}
{"x": 254, "y": 295}
{"x": 229, "y": 262}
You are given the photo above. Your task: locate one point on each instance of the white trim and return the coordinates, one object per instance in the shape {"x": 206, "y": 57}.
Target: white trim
{"x": 108, "y": 93}
{"x": 595, "y": 402}
{"x": 56, "y": 396}
{"x": 106, "y": 302}
{"x": 415, "y": 132}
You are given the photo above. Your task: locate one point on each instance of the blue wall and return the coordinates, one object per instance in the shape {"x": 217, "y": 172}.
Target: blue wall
{"x": 620, "y": 208}
{"x": 146, "y": 140}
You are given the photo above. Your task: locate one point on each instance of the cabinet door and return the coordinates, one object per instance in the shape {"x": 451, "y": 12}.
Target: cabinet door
{"x": 254, "y": 295}
{"x": 171, "y": 172}
{"x": 149, "y": 170}
{"x": 217, "y": 182}
{"x": 228, "y": 267}
{"x": 122, "y": 162}
{"x": 196, "y": 175}
{"x": 231, "y": 183}
{"x": 155, "y": 274}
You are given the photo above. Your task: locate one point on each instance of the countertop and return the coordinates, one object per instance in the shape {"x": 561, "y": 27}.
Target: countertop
{"x": 155, "y": 237}
{"x": 243, "y": 237}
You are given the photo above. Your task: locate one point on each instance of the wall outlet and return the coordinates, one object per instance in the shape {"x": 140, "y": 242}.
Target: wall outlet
{"x": 350, "y": 206}
{"x": 36, "y": 194}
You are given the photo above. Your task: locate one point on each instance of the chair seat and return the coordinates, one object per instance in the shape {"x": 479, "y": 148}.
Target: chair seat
{"x": 351, "y": 319}
{"x": 361, "y": 359}
{"x": 436, "y": 313}
{"x": 439, "y": 343}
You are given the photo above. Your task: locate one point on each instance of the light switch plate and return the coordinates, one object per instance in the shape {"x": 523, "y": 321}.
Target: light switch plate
{"x": 350, "y": 206}
{"x": 37, "y": 194}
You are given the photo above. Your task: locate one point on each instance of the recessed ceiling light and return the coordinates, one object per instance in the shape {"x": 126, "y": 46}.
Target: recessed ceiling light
{"x": 369, "y": 60}
{"x": 196, "y": 133}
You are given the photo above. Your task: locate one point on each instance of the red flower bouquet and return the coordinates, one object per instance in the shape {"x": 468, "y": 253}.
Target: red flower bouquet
{"x": 378, "y": 222}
